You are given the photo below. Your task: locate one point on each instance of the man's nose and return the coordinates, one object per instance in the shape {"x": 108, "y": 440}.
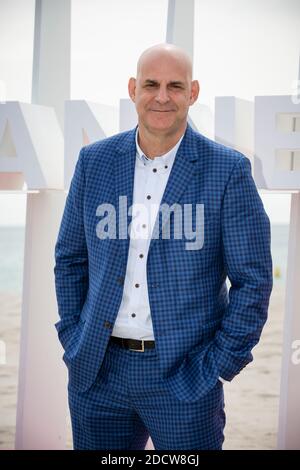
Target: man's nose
{"x": 162, "y": 95}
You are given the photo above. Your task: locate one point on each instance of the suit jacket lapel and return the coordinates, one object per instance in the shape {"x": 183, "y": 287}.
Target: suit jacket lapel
{"x": 124, "y": 182}
{"x": 181, "y": 173}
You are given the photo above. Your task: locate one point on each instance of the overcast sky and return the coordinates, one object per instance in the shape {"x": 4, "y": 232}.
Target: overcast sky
{"x": 242, "y": 48}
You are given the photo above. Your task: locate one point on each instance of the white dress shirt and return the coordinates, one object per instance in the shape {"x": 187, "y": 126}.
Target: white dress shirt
{"x": 150, "y": 179}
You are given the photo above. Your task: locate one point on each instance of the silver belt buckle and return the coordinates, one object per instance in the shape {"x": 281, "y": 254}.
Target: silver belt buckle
{"x": 139, "y": 350}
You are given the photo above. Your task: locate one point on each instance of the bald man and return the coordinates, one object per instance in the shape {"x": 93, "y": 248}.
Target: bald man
{"x": 156, "y": 220}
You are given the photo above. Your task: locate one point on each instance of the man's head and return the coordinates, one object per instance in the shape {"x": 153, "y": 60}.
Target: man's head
{"x": 163, "y": 90}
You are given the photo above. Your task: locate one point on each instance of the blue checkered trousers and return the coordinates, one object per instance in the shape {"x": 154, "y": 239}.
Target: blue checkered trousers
{"x": 119, "y": 397}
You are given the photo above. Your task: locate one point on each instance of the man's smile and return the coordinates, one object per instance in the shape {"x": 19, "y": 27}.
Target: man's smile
{"x": 162, "y": 111}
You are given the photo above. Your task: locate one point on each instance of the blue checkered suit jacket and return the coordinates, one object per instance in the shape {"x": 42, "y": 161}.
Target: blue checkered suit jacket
{"x": 201, "y": 330}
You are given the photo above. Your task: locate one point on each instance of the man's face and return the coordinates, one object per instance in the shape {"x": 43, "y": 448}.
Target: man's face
{"x": 163, "y": 92}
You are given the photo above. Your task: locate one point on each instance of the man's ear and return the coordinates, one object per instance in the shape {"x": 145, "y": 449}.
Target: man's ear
{"x": 131, "y": 88}
{"x": 195, "y": 89}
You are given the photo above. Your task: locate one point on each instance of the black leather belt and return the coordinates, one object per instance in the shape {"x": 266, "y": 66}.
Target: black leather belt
{"x": 133, "y": 344}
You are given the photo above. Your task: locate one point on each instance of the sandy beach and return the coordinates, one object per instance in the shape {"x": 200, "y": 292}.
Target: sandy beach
{"x": 251, "y": 399}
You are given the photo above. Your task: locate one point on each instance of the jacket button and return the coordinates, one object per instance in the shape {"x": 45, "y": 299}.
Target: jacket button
{"x": 120, "y": 280}
{"x": 107, "y": 324}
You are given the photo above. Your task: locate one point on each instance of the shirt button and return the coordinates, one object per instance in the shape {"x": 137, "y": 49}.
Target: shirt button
{"x": 148, "y": 197}
{"x": 137, "y": 285}
{"x": 144, "y": 225}
{"x": 120, "y": 280}
{"x": 133, "y": 314}
{"x": 107, "y": 324}
{"x": 154, "y": 170}
{"x": 141, "y": 255}
{"x": 166, "y": 166}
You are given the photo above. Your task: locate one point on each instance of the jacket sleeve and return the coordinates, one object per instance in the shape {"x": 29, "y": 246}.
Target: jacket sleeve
{"x": 248, "y": 263}
{"x": 71, "y": 258}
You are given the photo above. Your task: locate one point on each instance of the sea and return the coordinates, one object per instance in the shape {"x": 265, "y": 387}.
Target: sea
{"x": 12, "y": 256}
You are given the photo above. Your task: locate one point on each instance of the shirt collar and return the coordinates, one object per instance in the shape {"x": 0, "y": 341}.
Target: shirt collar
{"x": 160, "y": 161}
